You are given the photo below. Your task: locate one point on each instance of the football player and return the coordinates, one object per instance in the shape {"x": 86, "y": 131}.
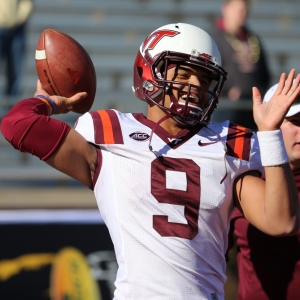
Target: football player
{"x": 165, "y": 182}
{"x": 269, "y": 267}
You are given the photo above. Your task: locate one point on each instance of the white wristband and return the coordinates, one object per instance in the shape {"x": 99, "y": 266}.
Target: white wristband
{"x": 272, "y": 149}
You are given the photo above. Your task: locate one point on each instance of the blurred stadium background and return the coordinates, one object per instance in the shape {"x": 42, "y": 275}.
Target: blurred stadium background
{"x": 111, "y": 32}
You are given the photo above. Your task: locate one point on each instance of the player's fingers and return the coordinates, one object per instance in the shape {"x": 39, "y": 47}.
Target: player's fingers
{"x": 38, "y": 85}
{"x": 295, "y": 93}
{"x": 281, "y": 84}
{"x": 256, "y": 96}
{"x": 288, "y": 84}
{"x": 40, "y": 89}
{"x": 75, "y": 99}
{"x": 295, "y": 85}
{"x": 78, "y": 96}
{"x": 297, "y": 80}
{"x": 292, "y": 93}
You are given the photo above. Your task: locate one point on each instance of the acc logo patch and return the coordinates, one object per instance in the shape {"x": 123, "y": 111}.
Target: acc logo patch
{"x": 139, "y": 136}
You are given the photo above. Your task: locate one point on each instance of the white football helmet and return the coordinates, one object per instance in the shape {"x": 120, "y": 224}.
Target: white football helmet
{"x": 171, "y": 45}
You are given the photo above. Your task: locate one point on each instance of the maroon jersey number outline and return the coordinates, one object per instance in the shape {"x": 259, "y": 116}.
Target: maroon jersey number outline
{"x": 190, "y": 198}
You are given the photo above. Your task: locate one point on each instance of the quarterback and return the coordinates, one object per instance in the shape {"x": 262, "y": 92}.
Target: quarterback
{"x": 166, "y": 183}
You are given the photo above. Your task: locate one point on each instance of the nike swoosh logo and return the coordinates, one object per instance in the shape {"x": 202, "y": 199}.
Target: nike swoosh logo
{"x": 205, "y": 144}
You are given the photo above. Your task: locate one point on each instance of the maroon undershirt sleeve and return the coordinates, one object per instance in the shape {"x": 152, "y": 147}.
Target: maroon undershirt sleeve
{"x": 28, "y": 128}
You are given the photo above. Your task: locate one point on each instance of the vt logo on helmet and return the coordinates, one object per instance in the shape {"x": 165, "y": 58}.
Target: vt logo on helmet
{"x": 152, "y": 40}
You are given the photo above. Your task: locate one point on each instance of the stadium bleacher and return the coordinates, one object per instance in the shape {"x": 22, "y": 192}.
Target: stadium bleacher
{"x": 112, "y": 31}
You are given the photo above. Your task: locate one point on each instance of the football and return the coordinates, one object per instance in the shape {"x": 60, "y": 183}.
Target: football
{"x": 65, "y": 68}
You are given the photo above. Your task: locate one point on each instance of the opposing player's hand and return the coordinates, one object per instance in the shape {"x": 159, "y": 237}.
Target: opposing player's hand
{"x": 63, "y": 104}
{"x": 270, "y": 115}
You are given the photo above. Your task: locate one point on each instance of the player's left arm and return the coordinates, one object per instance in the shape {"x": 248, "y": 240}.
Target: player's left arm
{"x": 272, "y": 205}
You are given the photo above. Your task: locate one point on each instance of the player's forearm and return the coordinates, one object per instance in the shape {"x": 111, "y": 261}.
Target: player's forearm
{"x": 281, "y": 206}
{"x": 271, "y": 205}
{"x": 28, "y": 128}
{"x": 281, "y": 202}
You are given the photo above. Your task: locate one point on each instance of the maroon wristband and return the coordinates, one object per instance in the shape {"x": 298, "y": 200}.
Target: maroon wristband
{"x": 29, "y": 129}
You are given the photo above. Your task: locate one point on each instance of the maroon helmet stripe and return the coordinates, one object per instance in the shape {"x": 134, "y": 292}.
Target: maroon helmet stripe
{"x": 239, "y": 141}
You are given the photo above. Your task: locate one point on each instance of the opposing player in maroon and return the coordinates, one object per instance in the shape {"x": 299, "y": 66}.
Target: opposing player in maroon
{"x": 269, "y": 267}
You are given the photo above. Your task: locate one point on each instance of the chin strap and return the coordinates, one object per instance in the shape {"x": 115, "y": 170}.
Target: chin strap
{"x": 167, "y": 116}
{"x": 175, "y": 106}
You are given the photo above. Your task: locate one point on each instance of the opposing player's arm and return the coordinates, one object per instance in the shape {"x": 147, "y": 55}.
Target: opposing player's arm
{"x": 272, "y": 205}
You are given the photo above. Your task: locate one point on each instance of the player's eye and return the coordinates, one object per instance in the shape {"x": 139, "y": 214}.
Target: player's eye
{"x": 182, "y": 74}
{"x": 204, "y": 82}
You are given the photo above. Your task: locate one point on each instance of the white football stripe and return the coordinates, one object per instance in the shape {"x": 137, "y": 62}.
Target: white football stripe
{"x": 40, "y": 54}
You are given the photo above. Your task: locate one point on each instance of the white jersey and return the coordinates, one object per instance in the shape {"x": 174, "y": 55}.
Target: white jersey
{"x": 167, "y": 210}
